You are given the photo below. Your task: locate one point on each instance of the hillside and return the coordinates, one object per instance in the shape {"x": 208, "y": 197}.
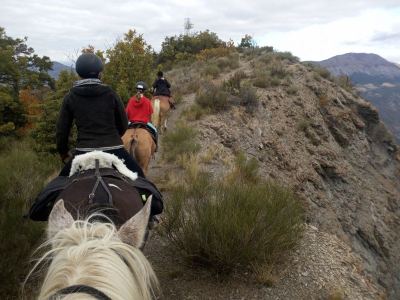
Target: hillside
{"x": 378, "y": 81}
{"x": 331, "y": 148}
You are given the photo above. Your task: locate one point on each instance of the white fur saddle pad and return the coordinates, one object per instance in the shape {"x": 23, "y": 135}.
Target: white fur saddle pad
{"x": 87, "y": 161}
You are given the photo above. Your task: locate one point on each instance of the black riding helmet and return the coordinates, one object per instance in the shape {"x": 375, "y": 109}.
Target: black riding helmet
{"x": 141, "y": 86}
{"x": 89, "y": 65}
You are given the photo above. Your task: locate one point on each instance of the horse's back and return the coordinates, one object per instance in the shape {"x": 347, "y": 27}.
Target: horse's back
{"x": 126, "y": 200}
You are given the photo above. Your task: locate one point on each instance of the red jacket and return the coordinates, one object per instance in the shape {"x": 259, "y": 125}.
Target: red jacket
{"x": 139, "y": 111}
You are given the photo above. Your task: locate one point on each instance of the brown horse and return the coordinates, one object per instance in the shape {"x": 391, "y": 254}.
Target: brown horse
{"x": 161, "y": 109}
{"x": 141, "y": 146}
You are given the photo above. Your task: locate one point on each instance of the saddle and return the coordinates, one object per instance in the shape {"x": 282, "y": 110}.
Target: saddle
{"x": 142, "y": 125}
{"x": 41, "y": 208}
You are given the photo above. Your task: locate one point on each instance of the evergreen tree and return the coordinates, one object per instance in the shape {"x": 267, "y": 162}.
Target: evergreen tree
{"x": 130, "y": 61}
{"x": 44, "y": 132}
{"x": 20, "y": 69}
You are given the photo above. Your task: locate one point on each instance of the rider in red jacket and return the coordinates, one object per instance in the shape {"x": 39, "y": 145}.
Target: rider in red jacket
{"x": 139, "y": 108}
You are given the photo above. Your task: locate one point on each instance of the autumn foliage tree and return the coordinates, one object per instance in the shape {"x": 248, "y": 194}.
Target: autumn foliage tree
{"x": 20, "y": 69}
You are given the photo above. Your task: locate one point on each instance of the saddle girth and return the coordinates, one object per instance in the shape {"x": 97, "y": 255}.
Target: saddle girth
{"x": 99, "y": 180}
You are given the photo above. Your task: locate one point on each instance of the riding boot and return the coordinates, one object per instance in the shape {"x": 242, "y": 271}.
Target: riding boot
{"x": 171, "y": 102}
{"x": 156, "y": 136}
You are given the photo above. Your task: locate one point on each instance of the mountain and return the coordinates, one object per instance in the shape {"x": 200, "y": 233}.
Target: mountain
{"x": 331, "y": 147}
{"x": 57, "y": 67}
{"x": 378, "y": 81}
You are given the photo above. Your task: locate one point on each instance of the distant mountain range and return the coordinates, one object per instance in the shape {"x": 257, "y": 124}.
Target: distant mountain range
{"x": 57, "y": 67}
{"x": 378, "y": 81}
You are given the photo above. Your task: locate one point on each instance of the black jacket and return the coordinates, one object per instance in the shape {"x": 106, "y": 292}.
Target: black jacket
{"x": 99, "y": 114}
{"x": 162, "y": 87}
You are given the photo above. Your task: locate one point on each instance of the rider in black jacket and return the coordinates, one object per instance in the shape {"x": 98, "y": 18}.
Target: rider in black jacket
{"x": 162, "y": 86}
{"x": 99, "y": 114}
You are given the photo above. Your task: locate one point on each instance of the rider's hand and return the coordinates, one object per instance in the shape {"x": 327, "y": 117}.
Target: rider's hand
{"x": 65, "y": 156}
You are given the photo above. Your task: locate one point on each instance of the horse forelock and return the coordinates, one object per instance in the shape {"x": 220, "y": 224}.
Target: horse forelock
{"x": 88, "y": 251}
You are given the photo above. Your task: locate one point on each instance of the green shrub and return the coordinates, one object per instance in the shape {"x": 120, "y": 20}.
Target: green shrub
{"x": 248, "y": 97}
{"x": 277, "y": 70}
{"x": 211, "y": 70}
{"x": 291, "y": 90}
{"x": 286, "y": 56}
{"x": 179, "y": 141}
{"x": 324, "y": 73}
{"x": 223, "y": 63}
{"x": 262, "y": 78}
{"x": 178, "y": 97}
{"x": 232, "y": 85}
{"x": 23, "y": 176}
{"x": 236, "y": 224}
{"x": 247, "y": 169}
{"x": 212, "y": 97}
{"x": 194, "y": 112}
{"x": 304, "y": 124}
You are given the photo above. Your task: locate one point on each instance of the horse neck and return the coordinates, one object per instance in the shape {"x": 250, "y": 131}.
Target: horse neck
{"x": 86, "y": 252}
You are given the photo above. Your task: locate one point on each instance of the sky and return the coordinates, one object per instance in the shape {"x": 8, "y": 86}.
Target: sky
{"x": 312, "y": 30}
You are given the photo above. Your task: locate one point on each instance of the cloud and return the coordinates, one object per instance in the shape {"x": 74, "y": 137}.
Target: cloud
{"x": 58, "y": 27}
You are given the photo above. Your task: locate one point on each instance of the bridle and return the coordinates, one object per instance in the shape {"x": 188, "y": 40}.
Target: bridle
{"x": 81, "y": 289}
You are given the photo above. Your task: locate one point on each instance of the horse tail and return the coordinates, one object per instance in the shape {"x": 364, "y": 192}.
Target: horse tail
{"x": 156, "y": 113}
{"x": 132, "y": 147}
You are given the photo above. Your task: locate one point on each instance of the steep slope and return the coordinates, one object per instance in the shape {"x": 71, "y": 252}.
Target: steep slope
{"x": 378, "y": 81}
{"x": 332, "y": 148}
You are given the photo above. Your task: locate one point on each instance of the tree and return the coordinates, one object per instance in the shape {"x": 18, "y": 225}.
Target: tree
{"x": 20, "y": 69}
{"x": 187, "y": 47}
{"x": 44, "y": 132}
{"x": 130, "y": 61}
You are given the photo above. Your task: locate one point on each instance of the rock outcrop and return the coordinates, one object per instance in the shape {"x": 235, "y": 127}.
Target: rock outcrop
{"x": 332, "y": 148}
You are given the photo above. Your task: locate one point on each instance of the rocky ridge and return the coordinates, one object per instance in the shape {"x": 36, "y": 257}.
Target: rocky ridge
{"x": 332, "y": 148}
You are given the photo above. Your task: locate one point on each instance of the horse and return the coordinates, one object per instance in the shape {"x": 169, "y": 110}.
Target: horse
{"x": 161, "y": 109}
{"x": 113, "y": 194}
{"x": 94, "y": 260}
{"x": 140, "y": 145}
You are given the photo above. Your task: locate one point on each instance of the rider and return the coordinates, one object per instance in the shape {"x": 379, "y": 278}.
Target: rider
{"x": 162, "y": 87}
{"x": 139, "y": 109}
{"x": 99, "y": 115}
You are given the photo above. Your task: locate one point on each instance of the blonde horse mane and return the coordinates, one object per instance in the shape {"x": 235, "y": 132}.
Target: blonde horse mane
{"x": 94, "y": 254}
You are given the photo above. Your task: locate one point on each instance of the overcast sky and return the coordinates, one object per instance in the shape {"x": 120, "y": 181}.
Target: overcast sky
{"x": 310, "y": 29}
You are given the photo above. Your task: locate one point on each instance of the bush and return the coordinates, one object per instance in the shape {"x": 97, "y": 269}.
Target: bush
{"x": 324, "y": 73}
{"x": 194, "y": 112}
{"x": 224, "y": 225}
{"x": 211, "y": 70}
{"x": 286, "y": 56}
{"x": 179, "y": 141}
{"x": 212, "y": 97}
{"x": 178, "y": 97}
{"x": 23, "y": 176}
{"x": 232, "y": 85}
{"x": 248, "y": 97}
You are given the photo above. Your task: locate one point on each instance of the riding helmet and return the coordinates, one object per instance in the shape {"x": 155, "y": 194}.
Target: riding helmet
{"x": 160, "y": 74}
{"x": 89, "y": 65}
{"x": 140, "y": 85}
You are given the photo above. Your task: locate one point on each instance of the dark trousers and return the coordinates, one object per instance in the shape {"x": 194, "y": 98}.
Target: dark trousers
{"x": 130, "y": 163}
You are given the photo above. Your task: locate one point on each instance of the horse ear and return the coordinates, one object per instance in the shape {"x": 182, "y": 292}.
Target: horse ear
{"x": 134, "y": 230}
{"x": 59, "y": 219}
